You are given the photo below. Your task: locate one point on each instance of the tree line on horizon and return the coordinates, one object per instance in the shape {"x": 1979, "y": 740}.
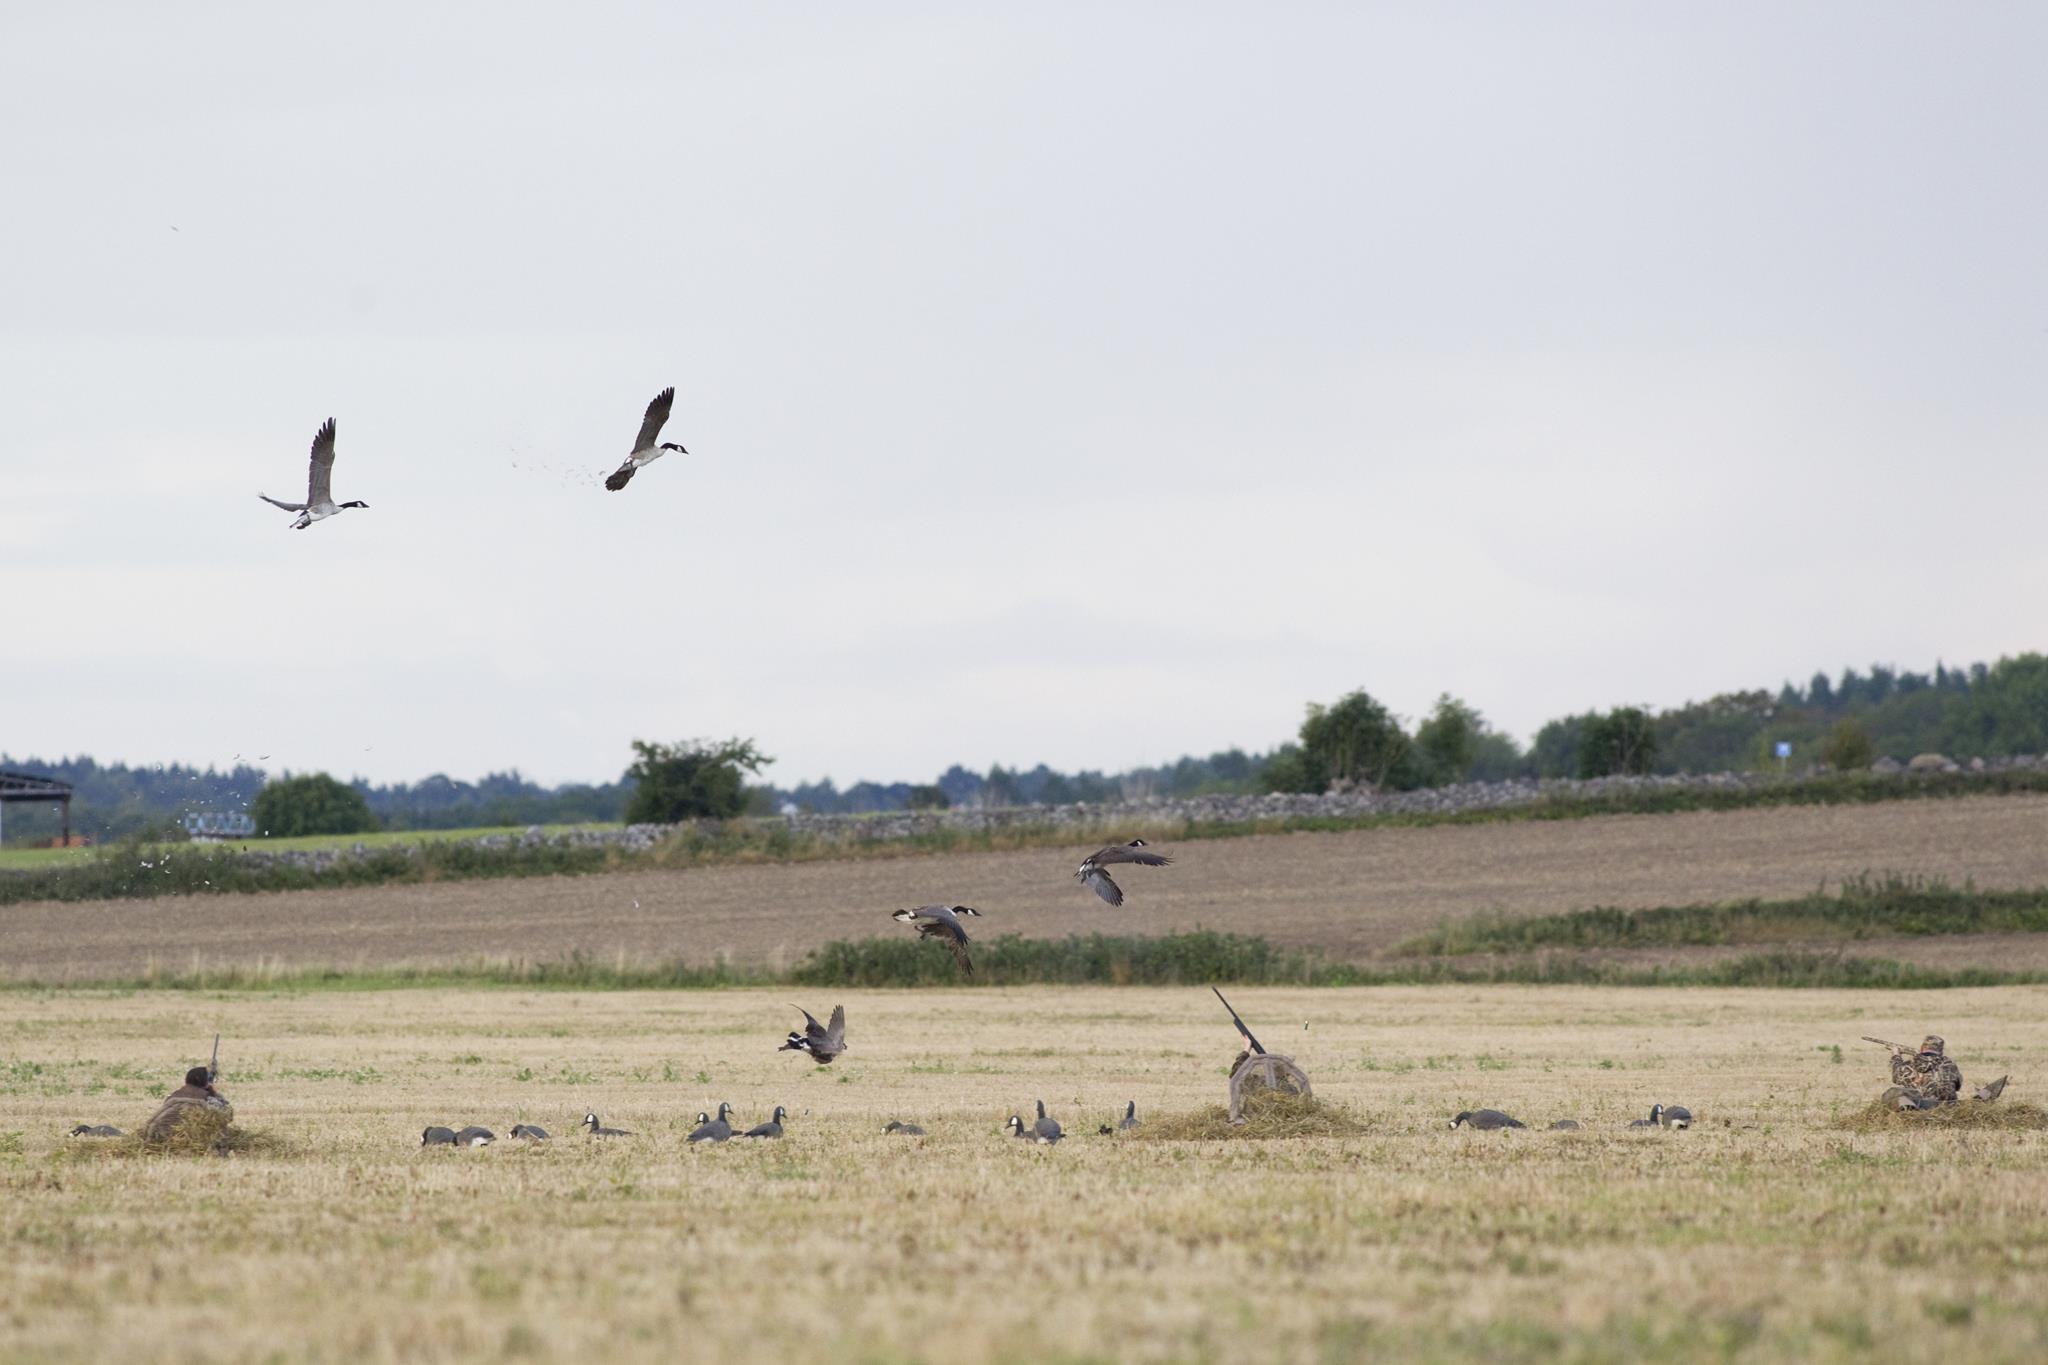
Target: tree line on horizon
{"x": 1986, "y": 710}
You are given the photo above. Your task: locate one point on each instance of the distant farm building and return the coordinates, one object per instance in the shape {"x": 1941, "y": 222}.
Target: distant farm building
{"x": 28, "y": 787}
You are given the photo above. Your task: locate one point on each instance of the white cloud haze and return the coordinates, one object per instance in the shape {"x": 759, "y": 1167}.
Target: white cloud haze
{"x": 1081, "y": 384}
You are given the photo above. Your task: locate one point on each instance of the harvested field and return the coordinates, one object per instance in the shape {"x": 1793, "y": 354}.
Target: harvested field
{"x": 1766, "y": 1233}
{"x": 1352, "y": 894}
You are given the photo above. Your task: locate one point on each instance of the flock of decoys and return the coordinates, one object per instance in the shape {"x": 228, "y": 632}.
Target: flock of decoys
{"x": 1661, "y": 1116}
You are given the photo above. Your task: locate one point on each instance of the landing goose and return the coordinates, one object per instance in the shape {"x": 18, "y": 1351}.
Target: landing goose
{"x": 645, "y": 451}
{"x": 319, "y": 504}
{"x": 1091, "y": 874}
{"x": 942, "y": 922}
{"x": 821, "y": 1042}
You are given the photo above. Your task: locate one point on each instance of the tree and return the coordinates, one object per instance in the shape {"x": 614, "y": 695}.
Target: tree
{"x": 1848, "y": 747}
{"x": 1555, "y": 750}
{"x": 1621, "y": 741}
{"x": 1447, "y": 742}
{"x": 313, "y": 804}
{"x": 690, "y": 781}
{"x": 928, "y": 798}
{"x": 2004, "y": 712}
{"x": 1356, "y": 741}
{"x": 1820, "y": 692}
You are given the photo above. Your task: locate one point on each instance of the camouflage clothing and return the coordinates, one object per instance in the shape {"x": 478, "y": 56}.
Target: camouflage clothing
{"x": 187, "y": 1102}
{"x": 1928, "y": 1073}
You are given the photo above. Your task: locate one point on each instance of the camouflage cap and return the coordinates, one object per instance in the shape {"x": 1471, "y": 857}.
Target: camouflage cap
{"x": 1932, "y": 1043}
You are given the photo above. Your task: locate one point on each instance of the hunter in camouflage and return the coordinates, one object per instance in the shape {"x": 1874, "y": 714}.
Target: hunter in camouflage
{"x": 1928, "y": 1074}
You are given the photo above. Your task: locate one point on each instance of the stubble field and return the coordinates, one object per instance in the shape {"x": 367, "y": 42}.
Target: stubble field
{"x": 1351, "y": 894}
{"x": 1767, "y": 1233}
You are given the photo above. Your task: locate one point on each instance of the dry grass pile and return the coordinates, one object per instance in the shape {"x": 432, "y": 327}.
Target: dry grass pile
{"x": 1267, "y": 1114}
{"x": 1969, "y": 1116}
{"x": 201, "y": 1135}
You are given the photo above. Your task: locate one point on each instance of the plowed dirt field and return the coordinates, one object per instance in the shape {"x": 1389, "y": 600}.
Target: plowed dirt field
{"x": 1352, "y": 894}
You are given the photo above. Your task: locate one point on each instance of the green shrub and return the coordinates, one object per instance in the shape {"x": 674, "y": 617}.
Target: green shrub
{"x": 313, "y": 804}
{"x": 1848, "y": 748}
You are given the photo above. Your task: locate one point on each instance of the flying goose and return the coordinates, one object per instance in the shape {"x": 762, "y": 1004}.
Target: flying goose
{"x": 598, "y": 1130}
{"x": 942, "y": 922}
{"x": 714, "y": 1130}
{"x": 474, "y": 1136}
{"x": 530, "y": 1131}
{"x": 645, "y": 451}
{"x": 1672, "y": 1115}
{"x": 97, "y": 1130}
{"x": 319, "y": 504}
{"x": 901, "y": 1129}
{"x": 772, "y": 1128}
{"x": 821, "y": 1042}
{"x": 1486, "y": 1119}
{"x": 1091, "y": 875}
{"x": 437, "y": 1137}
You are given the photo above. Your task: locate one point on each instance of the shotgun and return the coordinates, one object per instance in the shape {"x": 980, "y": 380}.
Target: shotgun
{"x": 1250, "y": 1041}
{"x": 1896, "y": 1047}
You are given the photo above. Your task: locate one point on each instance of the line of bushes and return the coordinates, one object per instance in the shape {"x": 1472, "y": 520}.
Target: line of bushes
{"x": 1863, "y": 907}
{"x": 1193, "y": 959}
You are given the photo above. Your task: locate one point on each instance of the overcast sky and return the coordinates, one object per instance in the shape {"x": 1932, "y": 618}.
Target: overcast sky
{"x": 1086, "y": 384}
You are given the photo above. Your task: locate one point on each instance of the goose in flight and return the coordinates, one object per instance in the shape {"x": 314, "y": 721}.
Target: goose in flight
{"x": 319, "y": 504}
{"x": 942, "y": 922}
{"x": 645, "y": 451}
{"x": 820, "y": 1042}
{"x": 1091, "y": 874}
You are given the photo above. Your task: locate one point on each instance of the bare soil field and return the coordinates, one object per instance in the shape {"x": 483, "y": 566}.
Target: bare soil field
{"x": 1352, "y": 894}
{"x": 1766, "y": 1233}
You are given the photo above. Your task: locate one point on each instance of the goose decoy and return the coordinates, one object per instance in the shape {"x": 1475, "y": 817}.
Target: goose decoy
{"x": 437, "y": 1137}
{"x": 645, "y": 451}
{"x": 530, "y": 1131}
{"x": 1046, "y": 1130}
{"x": 1993, "y": 1090}
{"x": 1565, "y": 1126}
{"x": 714, "y": 1130}
{"x": 1091, "y": 875}
{"x": 1672, "y": 1115}
{"x": 1898, "y": 1097}
{"x": 1130, "y": 1118}
{"x": 1486, "y": 1118}
{"x": 902, "y": 1129}
{"x": 473, "y": 1136}
{"x": 597, "y": 1130}
{"x": 97, "y": 1130}
{"x": 319, "y": 504}
{"x": 1656, "y": 1119}
{"x": 822, "y": 1042}
{"x": 942, "y": 922}
{"x": 772, "y": 1128}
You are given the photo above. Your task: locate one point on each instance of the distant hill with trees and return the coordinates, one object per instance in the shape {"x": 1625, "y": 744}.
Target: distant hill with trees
{"x": 1984, "y": 710}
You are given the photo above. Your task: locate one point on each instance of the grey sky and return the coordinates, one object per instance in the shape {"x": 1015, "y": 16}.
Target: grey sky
{"x": 1085, "y": 384}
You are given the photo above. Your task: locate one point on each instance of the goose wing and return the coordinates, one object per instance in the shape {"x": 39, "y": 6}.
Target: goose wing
{"x": 1098, "y": 881}
{"x": 320, "y": 477}
{"x": 1124, "y": 853}
{"x": 650, "y": 425}
{"x": 956, "y": 943}
{"x": 287, "y": 506}
{"x": 813, "y": 1030}
{"x": 621, "y": 476}
{"x": 836, "y": 1033}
